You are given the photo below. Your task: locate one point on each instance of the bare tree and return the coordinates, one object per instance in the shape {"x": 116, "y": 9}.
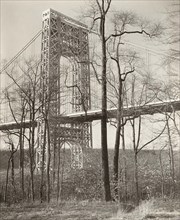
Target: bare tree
{"x": 171, "y": 155}
{"x": 137, "y": 137}
{"x": 172, "y": 28}
{"x": 125, "y": 23}
{"x": 10, "y": 160}
{"x": 26, "y": 108}
{"x": 162, "y": 172}
{"x": 98, "y": 15}
{"x": 20, "y": 134}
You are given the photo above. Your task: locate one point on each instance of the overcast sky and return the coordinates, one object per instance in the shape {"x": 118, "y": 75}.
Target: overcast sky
{"x": 21, "y": 20}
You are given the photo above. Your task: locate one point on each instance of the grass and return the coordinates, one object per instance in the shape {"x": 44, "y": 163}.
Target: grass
{"x": 153, "y": 209}
{"x": 91, "y": 210}
{"x": 139, "y": 213}
{"x": 64, "y": 211}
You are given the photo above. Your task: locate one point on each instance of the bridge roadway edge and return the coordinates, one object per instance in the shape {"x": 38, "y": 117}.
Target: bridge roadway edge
{"x": 92, "y": 115}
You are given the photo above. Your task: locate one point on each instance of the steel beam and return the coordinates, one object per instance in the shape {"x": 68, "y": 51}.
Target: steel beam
{"x": 91, "y": 115}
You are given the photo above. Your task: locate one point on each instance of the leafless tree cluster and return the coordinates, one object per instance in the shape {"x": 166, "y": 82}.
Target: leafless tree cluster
{"x": 116, "y": 76}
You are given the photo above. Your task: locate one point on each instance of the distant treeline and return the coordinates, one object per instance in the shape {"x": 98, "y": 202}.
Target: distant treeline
{"x": 150, "y": 155}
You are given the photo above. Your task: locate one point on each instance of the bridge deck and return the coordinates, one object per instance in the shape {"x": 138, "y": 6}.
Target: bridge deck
{"x": 91, "y": 115}
{"x": 148, "y": 109}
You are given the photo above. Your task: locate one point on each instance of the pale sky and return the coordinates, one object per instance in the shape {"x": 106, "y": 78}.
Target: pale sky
{"x": 21, "y": 20}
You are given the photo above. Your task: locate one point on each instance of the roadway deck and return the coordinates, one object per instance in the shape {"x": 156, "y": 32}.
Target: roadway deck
{"x": 91, "y": 115}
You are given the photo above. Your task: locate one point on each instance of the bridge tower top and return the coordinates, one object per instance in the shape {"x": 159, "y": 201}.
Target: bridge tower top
{"x": 55, "y": 14}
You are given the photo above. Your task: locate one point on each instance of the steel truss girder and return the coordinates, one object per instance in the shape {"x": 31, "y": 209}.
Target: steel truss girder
{"x": 76, "y": 157}
{"x": 63, "y": 37}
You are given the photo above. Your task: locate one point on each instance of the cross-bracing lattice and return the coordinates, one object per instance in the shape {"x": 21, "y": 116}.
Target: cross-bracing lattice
{"x": 65, "y": 86}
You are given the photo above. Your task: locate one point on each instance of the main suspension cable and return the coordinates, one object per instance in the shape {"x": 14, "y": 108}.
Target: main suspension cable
{"x": 20, "y": 52}
{"x": 22, "y": 75}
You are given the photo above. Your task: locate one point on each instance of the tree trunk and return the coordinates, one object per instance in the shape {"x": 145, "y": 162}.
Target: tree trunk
{"x": 43, "y": 161}
{"x": 135, "y": 162}
{"x": 104, "y": 147}
{"x": 12, "y": 166}
{"x": 162, "y": 175}
{"x": 7, "y": 180}
{"x": 116, "y": 159}
{"x": 31, "y": 170}
{"x": 54, "y": 157}
{"x": 136, "y": 178}
{"x": 48, "y": 163}
{"x": 58, "y": 172}
{"x": 171, "y": 156}
{"x": 124, "y": 163}
{"x": 118, "y": 132}
{"x": 33, "y": 154}
{"x": 21, "y": 161}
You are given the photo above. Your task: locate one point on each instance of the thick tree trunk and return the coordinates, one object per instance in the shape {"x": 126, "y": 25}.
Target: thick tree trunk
{"x": 116, "y": 160}
{"x": 124, "y": 163}
{"x": 117, "y": 140}
{"x": 104, "y": 147}
{"x": 135, "y": 148}
{"x": 105, "y": 163}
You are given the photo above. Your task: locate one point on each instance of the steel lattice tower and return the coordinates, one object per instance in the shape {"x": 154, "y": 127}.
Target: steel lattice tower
{"x": 63, "y": 36}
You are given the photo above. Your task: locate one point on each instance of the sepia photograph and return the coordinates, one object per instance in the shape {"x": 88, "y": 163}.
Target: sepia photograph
{"x": 89, "y": 109}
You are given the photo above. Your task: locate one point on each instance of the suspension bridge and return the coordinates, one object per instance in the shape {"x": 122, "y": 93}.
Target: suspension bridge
{"x": 70, "y": 92}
